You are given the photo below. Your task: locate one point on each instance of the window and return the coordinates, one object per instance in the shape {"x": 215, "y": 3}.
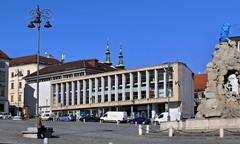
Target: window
{"x": 12, "y": 74}
{"x": 2, "y": 90}
{"x": 12, "y": 85}
{"x": 19, "y": 97}
{"x": 11, "y": 98}
{"x": 20, "y": 85}
{"x": 28, "y": 72}
{"x": 2, "y": 64}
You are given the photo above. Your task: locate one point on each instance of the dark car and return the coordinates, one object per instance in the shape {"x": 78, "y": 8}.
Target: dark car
{"x": 140, "y": 120}
{"x": 66, "y": 118}
{"x": 89, "y": 118}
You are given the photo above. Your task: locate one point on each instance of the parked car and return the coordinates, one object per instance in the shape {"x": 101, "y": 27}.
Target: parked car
{"x": 140, "y": 120}
{"x": 1, "y": 115}
{"x": 89, "y": 118}
{"x": 47, "y": 116}
{"x": 5, "y": 115}
{"x": 17, "y": 118}
{"x": 66, "y": 118}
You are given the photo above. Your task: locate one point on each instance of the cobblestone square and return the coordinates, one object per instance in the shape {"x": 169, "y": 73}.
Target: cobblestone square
{"x": 95, "y": 133}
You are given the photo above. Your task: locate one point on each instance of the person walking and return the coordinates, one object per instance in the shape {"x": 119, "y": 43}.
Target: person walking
{"x": 40, "y": 127}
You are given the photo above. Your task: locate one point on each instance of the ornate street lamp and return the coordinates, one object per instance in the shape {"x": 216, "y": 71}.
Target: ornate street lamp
{"x": 37, "y": 16}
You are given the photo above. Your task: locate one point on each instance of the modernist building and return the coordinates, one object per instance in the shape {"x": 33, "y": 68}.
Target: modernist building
{"x": 19, "y": 68}
{"x": 4, "y": 63}
{"x": 74, "y": 69}
{"x": 142, "y": 91}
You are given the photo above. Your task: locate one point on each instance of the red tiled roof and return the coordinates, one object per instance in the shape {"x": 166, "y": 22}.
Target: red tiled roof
{"x": 3, "y": 55}
{"x": 200, "y": 82}
{"x": 88, "y": 63}
{"x": 32, "y": 59}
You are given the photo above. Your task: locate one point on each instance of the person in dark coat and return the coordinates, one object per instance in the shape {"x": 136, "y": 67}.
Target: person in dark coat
{"x": 40, "y": 127}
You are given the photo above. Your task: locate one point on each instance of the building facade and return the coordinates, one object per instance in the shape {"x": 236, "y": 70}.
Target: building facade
{"x": 200, "y": 84}
{"x": 67, "y": 70}
{"x": 18, "y": 69}
{"x": 142, "y": 92}
{"x": 4, "y": 64}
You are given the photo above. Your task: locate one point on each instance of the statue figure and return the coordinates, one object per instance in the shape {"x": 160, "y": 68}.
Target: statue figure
{"x": 225, "y": 32}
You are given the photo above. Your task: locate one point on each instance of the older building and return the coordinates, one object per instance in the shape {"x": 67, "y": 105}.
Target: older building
{"x": 142, "y": 91}
{"x": 75, "y": 69}
{"x": 200, "y": 84}
{"x": 4, "y": 63}
{"x": 19, "y": 68}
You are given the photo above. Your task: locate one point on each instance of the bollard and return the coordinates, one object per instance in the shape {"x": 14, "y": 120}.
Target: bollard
{"x": 147, "y": 129}
{"x": 84, "y": 120}
{"x": 45, "y": 141}
{"x": 135, "y": 123}
{"x": 100, "y": 121}
{"x": 118, "y": 122}
{"x": 170, "y": 132}
{"x": 140, "y": 132}
{"x": 221, "y": 133}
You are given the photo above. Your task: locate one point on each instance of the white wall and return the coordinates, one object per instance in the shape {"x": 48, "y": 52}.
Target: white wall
{"x": 44, "y": 96}
{"x": 16, "y": 79}
{"x": 186, "y": 91}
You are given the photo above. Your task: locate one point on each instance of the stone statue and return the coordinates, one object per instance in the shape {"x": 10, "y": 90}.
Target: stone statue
{"x": 225, "y": 32}
{"x": 222, "y": 94}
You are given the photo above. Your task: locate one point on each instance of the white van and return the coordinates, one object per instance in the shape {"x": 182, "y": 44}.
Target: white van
{"x": 114, "y": 116}
{"x": 163, "y": 117}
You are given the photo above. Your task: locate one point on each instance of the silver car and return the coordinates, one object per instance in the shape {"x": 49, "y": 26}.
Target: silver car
{"x": 5, "y": 115}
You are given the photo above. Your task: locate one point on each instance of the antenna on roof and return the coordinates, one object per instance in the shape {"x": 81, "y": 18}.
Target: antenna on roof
{"x": 63, "y": 57}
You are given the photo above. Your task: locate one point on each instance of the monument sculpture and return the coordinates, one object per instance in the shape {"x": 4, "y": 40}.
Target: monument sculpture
{"x": 222, "y": 95}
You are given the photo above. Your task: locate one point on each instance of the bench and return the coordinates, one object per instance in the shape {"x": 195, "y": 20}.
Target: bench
{"x": 32, "y": 132}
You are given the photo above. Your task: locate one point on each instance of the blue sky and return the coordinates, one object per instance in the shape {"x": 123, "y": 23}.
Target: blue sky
{"x": 151, "y": 31}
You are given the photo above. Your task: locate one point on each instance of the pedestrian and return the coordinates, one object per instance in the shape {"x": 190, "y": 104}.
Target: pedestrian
{"x": 40, "y": 127}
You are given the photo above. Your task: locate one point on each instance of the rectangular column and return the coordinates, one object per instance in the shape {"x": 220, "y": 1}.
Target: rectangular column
{"x": 96, "y": 90}
{"x": 102, "y": 89}
{"x": 73, "y": 93}
{"x": 156, "y": 83}
{"x": 109, "y": 89}
{"x": 165, "y": 83}
{"x": 116, "y": 87}
{"x": 62, "y": 94}
{"x": 57, "y": 94}
{"x": 90, "y": 91}
{"x": 139, "y": 86}
{"x": 147, "y": 84}
{"x": 67, "y": 94}
{"x": 84, "y": 91}
{"x": 131, "y": 86}
{"x": 123, "y": 87}
{"x": 78, "y": 92}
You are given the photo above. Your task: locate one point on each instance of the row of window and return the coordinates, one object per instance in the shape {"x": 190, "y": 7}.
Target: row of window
{"x": 19, "y": 73}
{"x": 19, "y": 98}
{"x": 19, "y": 85}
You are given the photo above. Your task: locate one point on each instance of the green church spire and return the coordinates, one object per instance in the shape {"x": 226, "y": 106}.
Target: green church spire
{"x": 120, "y": 59}
{"x": 108, "y": 60}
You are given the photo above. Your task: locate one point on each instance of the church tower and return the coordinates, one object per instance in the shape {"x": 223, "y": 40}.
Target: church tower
{"x": 108, "y": 60}
{"x": 120, "y": 65}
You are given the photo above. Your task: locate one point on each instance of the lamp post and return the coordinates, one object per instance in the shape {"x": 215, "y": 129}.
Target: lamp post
{"x": 167, "y": 92}
{"x": 37, "y": 16}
